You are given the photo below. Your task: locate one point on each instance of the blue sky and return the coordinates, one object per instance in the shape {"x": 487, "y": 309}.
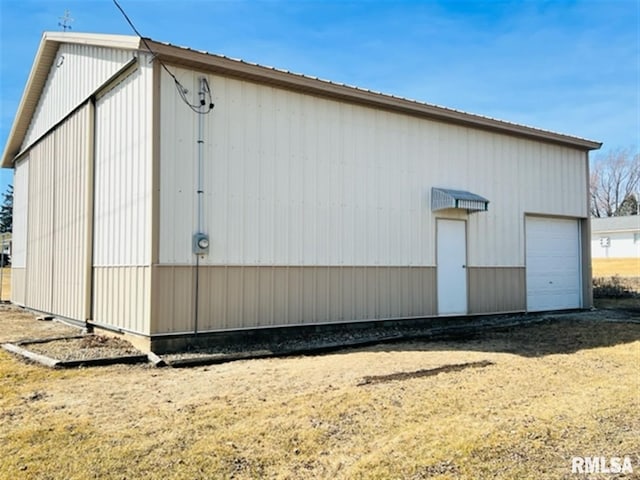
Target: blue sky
{"x": 566, "y": 66}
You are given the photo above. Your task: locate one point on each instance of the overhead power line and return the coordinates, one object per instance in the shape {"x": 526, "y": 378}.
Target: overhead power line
{"x": 182, "y": 91}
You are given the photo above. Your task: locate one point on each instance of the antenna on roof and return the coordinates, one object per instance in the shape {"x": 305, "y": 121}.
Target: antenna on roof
{"x": 65, "y": 21}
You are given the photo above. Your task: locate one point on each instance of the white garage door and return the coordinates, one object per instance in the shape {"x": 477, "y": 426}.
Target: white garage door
{"x": 553, "y": 264}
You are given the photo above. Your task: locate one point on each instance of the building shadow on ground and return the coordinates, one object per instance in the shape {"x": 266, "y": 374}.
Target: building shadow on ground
{"x": 551, "y": 336}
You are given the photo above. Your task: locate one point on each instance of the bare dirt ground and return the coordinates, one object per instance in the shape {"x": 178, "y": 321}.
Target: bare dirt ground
{"x": 17, "y": 324}
{"x": 517, "y": 403}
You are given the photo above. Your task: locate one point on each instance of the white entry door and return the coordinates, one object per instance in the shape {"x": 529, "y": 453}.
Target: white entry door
{"x": 451, "y": 267}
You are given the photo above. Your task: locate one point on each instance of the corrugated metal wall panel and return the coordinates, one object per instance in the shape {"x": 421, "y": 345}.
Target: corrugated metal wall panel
{"x": 77, "y": 72}
{"x": 246, "y": 297}
{"x": 121, "y": 298}
{"x": 495, "y": 290}
{"x": 292, "y": 179}
{"x": 529, "y": 177}
{"x": 40, "y": 226}
{"x": 20, "y": 211}
{"x": 18, "y": 285}
{"x": 122, "y": 203}
{"x": 56, "y": 219}
{"x": 70, "y": 201}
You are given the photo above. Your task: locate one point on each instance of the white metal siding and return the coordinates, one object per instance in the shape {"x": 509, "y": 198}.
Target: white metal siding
{"x": 40, "y": 227}
{"x": 518, "y": 176}
{"x": 19, "y": 234}
{"x": 56, "y": 230}
{"x": 76, "y": 73}
{"x": 70, "y": 201}
{"x": 293, "y": 179}
{"x": 122, "y": 201}
{"x": 20, "y": 209}
{"x": 621, "y": 245}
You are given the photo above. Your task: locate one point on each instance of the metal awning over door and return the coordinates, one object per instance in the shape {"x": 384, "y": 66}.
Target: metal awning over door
{"x": 444, "y": 198}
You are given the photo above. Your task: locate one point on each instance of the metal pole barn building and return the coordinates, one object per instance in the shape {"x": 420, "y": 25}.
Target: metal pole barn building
{"x": 294, "y": 201}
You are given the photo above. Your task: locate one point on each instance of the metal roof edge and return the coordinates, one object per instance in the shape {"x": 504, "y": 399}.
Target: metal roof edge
{"x": 235, "y": 67}
{"x": 621, "y": 230}
{"x": 36, "y": 80}
{"x": 107, "y": 40}
{"x": 627, "y": 223}
{"x": 10, "y": 149}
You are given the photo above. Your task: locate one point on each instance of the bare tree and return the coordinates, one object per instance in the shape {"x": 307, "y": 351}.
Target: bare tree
{"x": 615, "y": 182}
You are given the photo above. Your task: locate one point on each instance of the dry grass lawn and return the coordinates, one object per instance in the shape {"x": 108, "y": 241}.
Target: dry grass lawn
{"x": 608, "y": 267}
{"x": 516, "y": 404}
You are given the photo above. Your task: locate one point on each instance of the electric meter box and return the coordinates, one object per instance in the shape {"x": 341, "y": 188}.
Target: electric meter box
{"x": 200, "y": 244}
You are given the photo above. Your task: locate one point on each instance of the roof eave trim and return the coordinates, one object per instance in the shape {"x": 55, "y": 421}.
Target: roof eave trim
{"x": 10, "y": 149}
{"x": 618, "y": 230}
{"x": 124, "y": 42}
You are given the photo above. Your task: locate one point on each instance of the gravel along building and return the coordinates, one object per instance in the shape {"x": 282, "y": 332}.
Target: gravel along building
{"x": 164, "y": 192}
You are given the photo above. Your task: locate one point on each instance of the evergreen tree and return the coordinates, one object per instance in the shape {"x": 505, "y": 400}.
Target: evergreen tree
{"x": 6, "y": 211}
{"x": 629, "y": 206}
